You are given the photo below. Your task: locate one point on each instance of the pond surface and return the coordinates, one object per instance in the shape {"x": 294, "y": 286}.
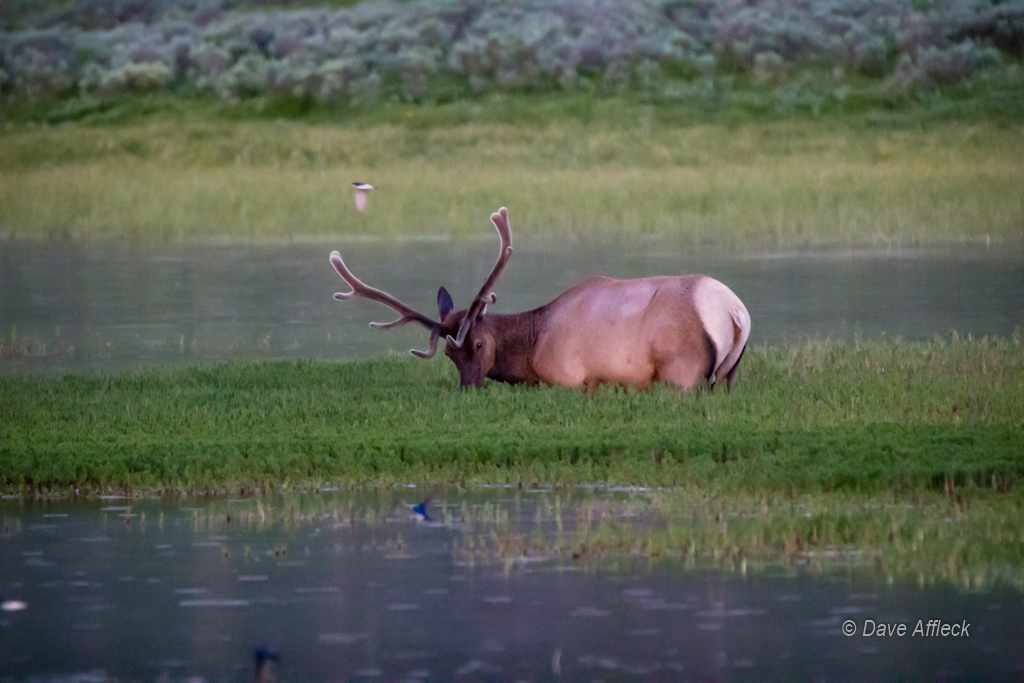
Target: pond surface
{"x": 106, "y": 306}
{"x": 499, "y": 584}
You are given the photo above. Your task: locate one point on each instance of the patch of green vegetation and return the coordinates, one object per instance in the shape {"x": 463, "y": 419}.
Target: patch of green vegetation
{"x": 567, "y": 166}
{"x": 732, "y": 98}
{"x": 925, "y": 537}
{"x": 809, "y": 418}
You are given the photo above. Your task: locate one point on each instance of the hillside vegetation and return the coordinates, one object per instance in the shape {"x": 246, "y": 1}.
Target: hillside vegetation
{"x": 434, "y": 50}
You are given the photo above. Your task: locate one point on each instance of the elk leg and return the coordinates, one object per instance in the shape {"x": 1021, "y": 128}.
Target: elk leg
{"x": 732, "y": 371}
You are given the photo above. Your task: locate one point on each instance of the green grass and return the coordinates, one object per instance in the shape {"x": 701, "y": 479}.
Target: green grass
{"x": 911, "y": 453}
{"x": 925, "y": 538}
{"x": 571, "y": 166}
{"x": 895, "y": 460}
{"x": 809, "y": 418}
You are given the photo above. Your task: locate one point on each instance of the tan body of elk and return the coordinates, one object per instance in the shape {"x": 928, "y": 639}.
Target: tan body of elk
{"x": 681, "y": 330}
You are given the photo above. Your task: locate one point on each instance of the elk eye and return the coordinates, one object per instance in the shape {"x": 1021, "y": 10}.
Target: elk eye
{"x": 479, "y": 345}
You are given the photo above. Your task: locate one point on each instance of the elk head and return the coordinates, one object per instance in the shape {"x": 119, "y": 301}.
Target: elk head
{"x": 470, "y": 341}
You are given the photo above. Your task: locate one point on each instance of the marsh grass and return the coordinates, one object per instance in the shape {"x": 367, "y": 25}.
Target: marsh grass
{"x": 974, "y": 540}
{"x": 925, "y": 538}
{"x": 814, "y": 417}
{"x": 791, "y": 182}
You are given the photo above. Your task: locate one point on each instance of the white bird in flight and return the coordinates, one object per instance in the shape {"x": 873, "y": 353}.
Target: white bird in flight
{"x": 361, "y": 190}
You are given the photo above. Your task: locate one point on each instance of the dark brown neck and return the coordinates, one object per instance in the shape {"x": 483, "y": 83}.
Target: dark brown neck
{"x": 516, "y": 338}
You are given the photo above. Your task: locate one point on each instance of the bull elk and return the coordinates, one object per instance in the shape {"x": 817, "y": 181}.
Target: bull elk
{"x": 626, "y": 332}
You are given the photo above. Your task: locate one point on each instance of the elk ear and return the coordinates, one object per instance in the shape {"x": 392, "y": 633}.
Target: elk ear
{"x": 444, "y": 302}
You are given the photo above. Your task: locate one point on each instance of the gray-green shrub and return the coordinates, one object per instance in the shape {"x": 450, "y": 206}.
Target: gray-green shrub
{"x": 356, "y": 52}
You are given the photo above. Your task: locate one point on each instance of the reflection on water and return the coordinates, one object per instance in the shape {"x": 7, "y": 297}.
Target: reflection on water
{"x": 109, "y": 305}
{"x": 498, "y": 584}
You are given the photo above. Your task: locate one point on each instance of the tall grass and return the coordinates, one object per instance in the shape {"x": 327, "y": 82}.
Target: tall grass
{"x": 785, "y": 183}
{"x": 801, "y": 419}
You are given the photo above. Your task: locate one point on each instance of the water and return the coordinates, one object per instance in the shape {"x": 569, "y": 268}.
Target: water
{"x": 501, "y": 584}
{"x": 106, "y": 306}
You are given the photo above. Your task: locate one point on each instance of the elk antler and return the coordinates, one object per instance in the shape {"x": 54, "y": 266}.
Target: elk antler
{"x": 407, "y": 314}
{"x": 485, "y": 295}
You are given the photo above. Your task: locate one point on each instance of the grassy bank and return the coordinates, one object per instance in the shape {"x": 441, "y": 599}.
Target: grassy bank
{"x": 810, "y": 418}
{"x": 566, "y": 167}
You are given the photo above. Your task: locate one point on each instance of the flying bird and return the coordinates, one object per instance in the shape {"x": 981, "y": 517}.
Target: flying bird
{"x": 361, "y": 190}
